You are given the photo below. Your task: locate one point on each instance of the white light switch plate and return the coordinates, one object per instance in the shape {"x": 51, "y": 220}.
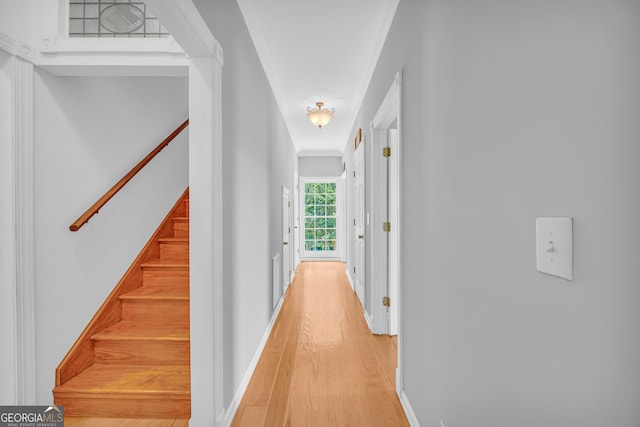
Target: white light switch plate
{"x": 554, "y": 246}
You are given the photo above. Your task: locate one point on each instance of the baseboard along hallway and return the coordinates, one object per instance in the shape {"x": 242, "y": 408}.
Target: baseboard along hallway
{"x": 321, "y": 364}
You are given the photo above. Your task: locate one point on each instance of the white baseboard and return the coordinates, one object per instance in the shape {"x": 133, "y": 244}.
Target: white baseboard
{"x": 367, "y": 318}
{"x": 291, "y": 279}
{"x": 346, "y": 269}
{"x": 276, "y": 280}
{"x": 408, "y": 410}
{"x": 220, "y": 422}
{"x": 233, "y": 406}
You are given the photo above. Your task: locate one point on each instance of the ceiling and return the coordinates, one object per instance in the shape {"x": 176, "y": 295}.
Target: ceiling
{"x": 319, "y": 51}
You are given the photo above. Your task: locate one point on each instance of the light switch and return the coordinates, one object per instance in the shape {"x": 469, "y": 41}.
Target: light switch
{"x": 554, "y": 246}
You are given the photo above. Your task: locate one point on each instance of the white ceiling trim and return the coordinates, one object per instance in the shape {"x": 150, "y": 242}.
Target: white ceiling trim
{"x": 251, "y": 15}
{"x": 320, "y": 153}
{"x": 377, "y": 45}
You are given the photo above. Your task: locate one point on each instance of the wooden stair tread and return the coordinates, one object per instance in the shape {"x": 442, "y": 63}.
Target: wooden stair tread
{"x": 138, "y": 331}
{"x": 158, "y": 293}
{"x": 130, "y": 379}
{"x": 174, "y": 239}
{"x": 138, "y": 367}
{"x": 159, "y": 263}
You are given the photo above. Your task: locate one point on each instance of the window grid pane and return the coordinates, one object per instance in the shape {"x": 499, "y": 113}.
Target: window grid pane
{"x": 320, "y": 216}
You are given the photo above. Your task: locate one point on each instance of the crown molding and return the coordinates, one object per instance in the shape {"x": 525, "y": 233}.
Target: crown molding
{"x": 17, "y": 48}
{"x": 63, "y": 56}
{"x": 56, "y": 45}
{"x": 319, "y": 153}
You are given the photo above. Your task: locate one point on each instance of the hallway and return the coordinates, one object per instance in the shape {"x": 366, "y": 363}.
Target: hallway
{"x": 321, "y": 366}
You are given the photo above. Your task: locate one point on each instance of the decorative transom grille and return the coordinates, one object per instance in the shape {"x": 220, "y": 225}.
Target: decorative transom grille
{"x": 113, "y": 18}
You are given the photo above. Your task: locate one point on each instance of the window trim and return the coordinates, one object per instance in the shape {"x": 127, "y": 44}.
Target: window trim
{"x": 323, "y": 255}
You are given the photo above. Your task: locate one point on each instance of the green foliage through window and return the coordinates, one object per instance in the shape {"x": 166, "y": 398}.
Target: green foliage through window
{"x": 320, "y": 216}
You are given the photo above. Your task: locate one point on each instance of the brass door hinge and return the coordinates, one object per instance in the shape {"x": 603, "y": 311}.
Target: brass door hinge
{"x": 386, "y": 151}
{"x": 354, "y": 269}
{"x": 289, "y": 203}
{"x": 354, "y": 174}
{"x": 386, "y": 227}
{"x": 386, "y": 301}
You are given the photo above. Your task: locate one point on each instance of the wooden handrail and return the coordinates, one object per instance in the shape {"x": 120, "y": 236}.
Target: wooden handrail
{"x": 85, "y": 217}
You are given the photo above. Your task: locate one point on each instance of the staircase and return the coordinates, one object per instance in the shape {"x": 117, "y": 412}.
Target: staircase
{"x": 132, "y": 361}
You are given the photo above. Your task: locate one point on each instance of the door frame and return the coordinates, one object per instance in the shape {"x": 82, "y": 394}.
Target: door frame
{"x": 17, "y": 197}
{"x": 389, "y": 112}
{"x": 342, "y": 225}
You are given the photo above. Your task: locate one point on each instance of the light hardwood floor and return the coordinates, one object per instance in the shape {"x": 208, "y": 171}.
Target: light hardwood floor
{"x": 321, "y": 366}
{"x": 121, "y": 422}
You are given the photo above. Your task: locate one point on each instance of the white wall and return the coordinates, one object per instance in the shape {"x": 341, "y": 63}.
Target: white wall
{"x": 89, "y": 132}
{"x": 320, "y": 166}
{"x": 49, "y": 18}
{"x": 30, "y": 21}
{"x": 7, "y": 251}
{"x": 284, "y": 160}
{"x": 16, "y": 19}
{"x": 258, "y": 159}
{"x": 514, "y": 110}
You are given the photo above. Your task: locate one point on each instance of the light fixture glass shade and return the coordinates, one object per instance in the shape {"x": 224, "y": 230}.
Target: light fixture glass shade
{"x": 319, "y": 116}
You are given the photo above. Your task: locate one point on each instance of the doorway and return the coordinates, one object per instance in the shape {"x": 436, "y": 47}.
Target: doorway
{"x": 358, "y": 223}
{"x": 296, "y": 221}
{"x": 286, "y": 240}
{"x": 384, "y": 161}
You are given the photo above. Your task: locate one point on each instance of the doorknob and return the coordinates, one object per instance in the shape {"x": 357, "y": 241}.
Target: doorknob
{"x": 360, "y": 236}
{"x": 285, "y": 243}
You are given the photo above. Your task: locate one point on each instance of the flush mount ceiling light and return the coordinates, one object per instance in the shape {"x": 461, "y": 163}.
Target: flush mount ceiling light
{"x": 319, "y": 116}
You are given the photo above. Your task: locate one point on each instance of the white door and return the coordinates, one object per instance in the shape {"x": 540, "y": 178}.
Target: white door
{"x": 394, "y": 206}
{"x": 359, "y": 226}
{"x": 377, "y": 235}
{"x": 296, "y": 220}
{"x": 286, "y": 237}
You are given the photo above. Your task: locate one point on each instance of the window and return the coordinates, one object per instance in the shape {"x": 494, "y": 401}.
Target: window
{"x": 111, "y": 18}
{"x": 320, "y": 217}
